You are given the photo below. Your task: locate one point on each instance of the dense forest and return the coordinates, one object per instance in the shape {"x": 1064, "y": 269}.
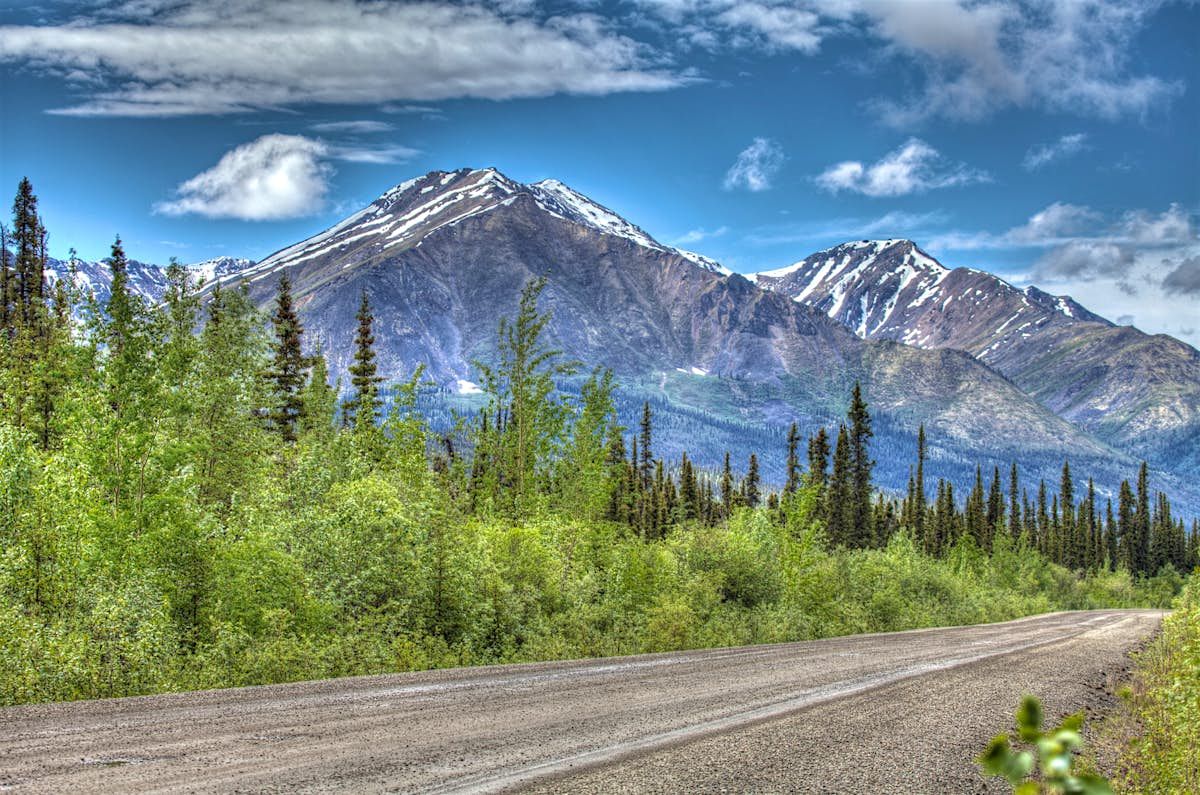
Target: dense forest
{"x": 186, "y": 501}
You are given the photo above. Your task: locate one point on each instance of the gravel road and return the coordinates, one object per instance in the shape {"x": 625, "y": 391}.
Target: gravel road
{"x": 900, "y": 712}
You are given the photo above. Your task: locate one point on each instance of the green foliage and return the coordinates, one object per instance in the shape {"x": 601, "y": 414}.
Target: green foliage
{"x": 156, "y": 534}
{"x": 1052, "y": 751}
{"x": 1166, "y": 703}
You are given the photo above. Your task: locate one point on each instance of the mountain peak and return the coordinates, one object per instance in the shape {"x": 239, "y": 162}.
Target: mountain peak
{"x": 406, "y": 215}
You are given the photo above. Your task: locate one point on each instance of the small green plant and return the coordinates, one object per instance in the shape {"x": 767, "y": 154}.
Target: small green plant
{"x": 1053, "y": 750}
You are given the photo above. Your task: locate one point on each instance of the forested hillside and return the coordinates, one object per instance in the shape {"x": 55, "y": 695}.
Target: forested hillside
{"x": 186, "y": 501}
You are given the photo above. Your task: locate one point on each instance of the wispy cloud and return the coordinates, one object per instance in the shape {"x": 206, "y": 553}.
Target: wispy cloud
{"x": 972, "y": 59}
{"x": 226, "y": 56}
{"x": 1064, "y": 147}
{"x": 353, "y": 127}
{"x": 915, "y": 167}
{"x": 697, "y": 235}
{"x": 756, "y": 166}
{"x": 896, "y": 223}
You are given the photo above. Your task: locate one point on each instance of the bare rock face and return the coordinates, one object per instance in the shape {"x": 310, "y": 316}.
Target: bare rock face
{"x": 1138, "y": 392}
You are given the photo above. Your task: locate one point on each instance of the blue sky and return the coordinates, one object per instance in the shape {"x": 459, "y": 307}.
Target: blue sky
{"x": 1050, "y": 141}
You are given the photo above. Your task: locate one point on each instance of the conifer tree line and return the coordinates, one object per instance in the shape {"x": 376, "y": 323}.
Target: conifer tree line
{"x": 187, "y": 500}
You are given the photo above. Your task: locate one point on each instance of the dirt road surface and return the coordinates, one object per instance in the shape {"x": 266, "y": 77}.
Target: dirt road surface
{"x": 902, "y": 712}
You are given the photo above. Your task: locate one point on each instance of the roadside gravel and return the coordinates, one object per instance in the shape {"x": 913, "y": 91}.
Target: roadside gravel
{"x": 901, "y": 712}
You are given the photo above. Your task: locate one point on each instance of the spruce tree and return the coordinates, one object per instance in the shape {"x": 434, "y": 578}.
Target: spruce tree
{"x": 727, "y": 487}
{"x": 793, "y": 461}
{"x": 1066, "y": 536}
{"x": 859, "y": 435}
{"x": 29, "y": 263}
{"x": 362, "y": 408}
{"x": 1014, "y": 505}
{"x": 1127, "y": 531}
{"x": 918, "y": 517}
{"x": 646, "y": 465}
{"x": 287, "y": 371}
{"x": 839, "y": 504}
{"x": 995, "y": 504}
{"x": 752, "y": 483}
{"x": 1142, "y": 523}
{"x": 8, "y": 281}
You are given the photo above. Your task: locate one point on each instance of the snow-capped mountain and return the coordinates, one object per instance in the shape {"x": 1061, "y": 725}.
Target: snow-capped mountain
{"x": 146, "y": 280}
{"x": 728, "y": 365}
{"x": 890, "y": 289}
{"x": 405, "y": 216}
{"x": 1138, "y": 391}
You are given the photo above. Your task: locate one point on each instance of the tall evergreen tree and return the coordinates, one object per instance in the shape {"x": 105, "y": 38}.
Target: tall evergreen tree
{"x": 861, "y": 464}
{"x": 646, "y": 465}
{"x": 1014, "y": 505}
{"x": 363, "y": 406}
{"x": 1066, "y": 494}
{"x": 752, "y": 483}
{"x": 839, "y": 502}
{"x": 29, "y": 263}
{"x": 918, "y": 510}
{"x": 995, "y": 504}
{"x": 793, "y": 461}
{"x": 287, "y": 371}
{"x": 727, "y": 487}
{"x": 1142, "y": 521}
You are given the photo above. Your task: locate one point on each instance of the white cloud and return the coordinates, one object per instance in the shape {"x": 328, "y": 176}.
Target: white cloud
{"x": 270, "y": 178}
{"x": 978, "y": 58}
{"x": 1064, "y": 147}
{"x": 696, "y": 235}
{"x": 773, "y": 26}
{"x": 756, "y": 166}
{"x": 227, "y": 56}
{"x": 1058, "y": 221}
{"x": 1184, "y": 279}
{"x": 915, "y": 167}
{"x": 379, "y": 155}
{"x": 1171, "y": 227}
{"x": 353, "y": 127}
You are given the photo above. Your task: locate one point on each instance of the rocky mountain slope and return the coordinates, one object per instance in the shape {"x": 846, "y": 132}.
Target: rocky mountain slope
{"x": 1136, "y": 391}
{"x": 726, "y": 364}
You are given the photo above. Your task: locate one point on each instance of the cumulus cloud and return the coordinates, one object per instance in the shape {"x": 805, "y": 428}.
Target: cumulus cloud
{"x": 1064, "y": 147}
{"x": 1086, "y": 259}
{"x": 1170, "y": 227}
{"x": 1054, "y": 223}
{"x": 756, "y": 166}
{"x": 224, "y": 56}
{"x": 1184, "y": 278}
{"x": 776, "y": 27}
{"x": 915, "y": 167}
{"x": 270, "y": 178}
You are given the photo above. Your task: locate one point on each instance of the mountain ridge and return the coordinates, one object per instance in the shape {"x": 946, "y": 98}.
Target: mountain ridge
{"x": 1075, "y": 362}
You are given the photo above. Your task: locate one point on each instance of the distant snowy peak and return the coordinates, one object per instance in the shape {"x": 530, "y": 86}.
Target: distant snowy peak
{"x": 145, "y": 279}
{"x": 404, "y": 216}
{"x": 890, "y": 289}
{"x": 220, "y": 268}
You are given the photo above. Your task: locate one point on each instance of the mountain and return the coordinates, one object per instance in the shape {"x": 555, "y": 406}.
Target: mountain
{"x": 146, "y": 280}
{"x": 1136, "y": 391}
{"x": 726, "y": 365}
